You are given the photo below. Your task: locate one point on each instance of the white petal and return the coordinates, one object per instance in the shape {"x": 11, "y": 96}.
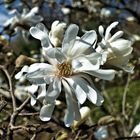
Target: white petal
{"x": 42, "y": 27}
{"x": 119, "y": 60}
{"x": 49, "y": 55}
{"x": 40, "y": 72}
{"x": 101, "y": 31}
{"x": 126, "y": 68}
{"x": 37, "y": 66}
{"x": 32, "y": 12}
{"x": 85, "y": 113}
{"x": 86, "y": 64}
{"x": 121, "y": 46}
{"x": 32, "y": 89}
{"x": 42, "y": 36}
{"x": 54, "y": 24}
{"x": 48, "y": 79}
{"x": 54, "y": 90}
{"x": 109, "y": 28}
{"x": 94, "y": 97}
{"x": 43, "y": 91}
{"x": 69, "y": 115}
{"x": 20, "y": 74}
{"x": 84, "y": 43}
{"x": 136, "y": 130}
{"x": 46, "y": 112}
{"x": 33, "y": 100}
{"x": 116, "y": 36}
{"x": 79, "y": 88}
{"x": 69, "y": 37}
{"x": 55, "y": 54}
{"x": 59, "y": 56}
{"x": 103, "y": 74}
{"x": 77, "y": 115}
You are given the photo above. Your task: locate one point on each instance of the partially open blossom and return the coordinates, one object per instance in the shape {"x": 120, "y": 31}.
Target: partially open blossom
{"x": 57, "y": 33}
{"x": 136, "y": 130}
{"x": 117, "y": 49}
{"x": 52, "y": 38}
{"x": 69, "y": 67}
{"x": 85, "y": 113}
{"x": 24, "y": 20}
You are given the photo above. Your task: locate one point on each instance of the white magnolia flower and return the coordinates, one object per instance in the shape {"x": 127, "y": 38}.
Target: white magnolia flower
{"x": 136, "y": 130}
{"x": 23, "y": 90}
{"x": 28, "y": 18}
{"x": 102, "y": 133}
{"x": 85, "y": 113}
{"x": 55, "y": 35}
{"x": 117, "y": 49}
{"x": 69, "y": 67}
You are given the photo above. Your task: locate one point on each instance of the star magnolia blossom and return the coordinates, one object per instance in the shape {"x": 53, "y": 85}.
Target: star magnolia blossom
{"x": 28, "y": 18}
{"x": 117, "y": 49}
{"x": 69, "y": 67}
{"x": 55, "y": 36}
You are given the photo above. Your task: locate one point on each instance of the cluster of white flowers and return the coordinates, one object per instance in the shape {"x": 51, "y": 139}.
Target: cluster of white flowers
{"x": 23, "y": 20}
{"x": 72, "y": 63}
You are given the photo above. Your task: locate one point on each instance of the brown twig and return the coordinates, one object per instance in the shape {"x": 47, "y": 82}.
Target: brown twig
{"x": 124, "y": 97}
{"x": 128, "y": 138}
{"x": 10, "y": 86}
{"x": 28, "y": 114}
{"x": 23, "y": 104}
{"x": 16, "y": 110}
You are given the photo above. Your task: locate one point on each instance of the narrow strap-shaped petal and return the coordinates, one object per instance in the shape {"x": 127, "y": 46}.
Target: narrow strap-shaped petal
{"x": 69, "y": 115}
{"x": 59, "y": 56}
{"x": 109, "y": 28}
{"x": 21, "y": 73}
{"x": 40, "y": 35}
{"x": 37, "y": 66}
{"x": 93, "y": 94}
{"x": 86, "y": 64}
{"x": 84, "y": 43}
{"x": 33, "y": 100}
{"x": 94, "y": 97}
{"x": 101, "y": 31}
{"x": 53, "y": 91}
{"x": 116, "y": 36}
{"x": 32, "y": 89}
{"x": 43, "y": 91}
{"x": 41, "y": 70}
{"x": 46, "y": 112}
{"x": 102, "y": 74}
{"x": 69, "y": 37}
{"x": 79, "y": 88}
{"x": 42, "y": 27}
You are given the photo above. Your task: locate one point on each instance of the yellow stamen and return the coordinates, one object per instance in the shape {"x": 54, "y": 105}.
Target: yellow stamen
{"x": 64, "y": 69}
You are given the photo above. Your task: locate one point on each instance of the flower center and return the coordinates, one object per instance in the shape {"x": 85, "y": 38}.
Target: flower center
{"x": 64, "y": 69}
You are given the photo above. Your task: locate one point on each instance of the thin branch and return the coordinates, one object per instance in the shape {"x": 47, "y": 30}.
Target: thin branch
{"x": 10, "y": 86}
{"x": 28, "y": 114}
{"x": 23, "y": 104}
{"x": 134, "y": 113}
{"x": 2, "y": 105}
{"x": 111, "y": 107}
{"x": 128, "y": 138}
{"x": 124, "y": 96}
{"x": 33, "y": 137}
